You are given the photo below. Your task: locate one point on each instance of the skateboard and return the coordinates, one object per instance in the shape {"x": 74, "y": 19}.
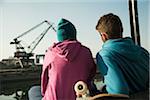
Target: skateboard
{"x": 82, "y": 93}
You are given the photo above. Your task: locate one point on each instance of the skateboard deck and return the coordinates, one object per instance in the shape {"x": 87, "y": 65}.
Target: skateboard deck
{"x": 82, "y": 93}
{"x": 108, "y": 96}
{"x": 104, "y": 97}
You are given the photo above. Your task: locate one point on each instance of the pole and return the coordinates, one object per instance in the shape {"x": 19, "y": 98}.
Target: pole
{"x": 133, "y": 13}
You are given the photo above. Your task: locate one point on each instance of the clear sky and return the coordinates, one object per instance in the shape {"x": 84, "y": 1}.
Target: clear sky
{"x": 17, "y": 16}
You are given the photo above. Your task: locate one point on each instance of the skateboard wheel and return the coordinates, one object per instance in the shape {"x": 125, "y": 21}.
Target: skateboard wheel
{"x": 80, "y": 88}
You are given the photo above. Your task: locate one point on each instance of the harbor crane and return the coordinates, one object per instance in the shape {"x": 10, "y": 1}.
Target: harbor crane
{"x": 20, "y": 50}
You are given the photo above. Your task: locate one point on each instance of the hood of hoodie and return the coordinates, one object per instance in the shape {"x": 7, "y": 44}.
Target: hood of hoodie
{"x": 125, "y": 47}
{"x": 68, "y": 50}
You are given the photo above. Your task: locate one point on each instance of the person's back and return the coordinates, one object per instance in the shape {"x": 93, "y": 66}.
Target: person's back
{"x": 128, "y": 66}
{"x": 124, "y": 65}
{"x": 66, "y": 63}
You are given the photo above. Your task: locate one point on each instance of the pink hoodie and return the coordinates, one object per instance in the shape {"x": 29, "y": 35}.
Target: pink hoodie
{"x": 65, "y": 63}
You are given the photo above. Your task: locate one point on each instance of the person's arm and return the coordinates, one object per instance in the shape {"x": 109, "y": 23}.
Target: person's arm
{"x": 101, "y": 65}
{"x": 44, "y": 80}
{"x": 92, "y": 65}
{"x": 114, "y": 78}
{"x": 44, "y": 76}
{"x": 92, "y": 87}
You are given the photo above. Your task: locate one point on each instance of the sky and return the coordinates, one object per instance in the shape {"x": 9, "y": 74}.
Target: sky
{"x": 18, "y": 16}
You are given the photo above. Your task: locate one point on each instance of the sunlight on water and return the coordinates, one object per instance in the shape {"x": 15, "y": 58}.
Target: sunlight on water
{"x": 11, "y": 97}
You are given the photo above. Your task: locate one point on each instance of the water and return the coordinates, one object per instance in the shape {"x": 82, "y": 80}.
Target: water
{"x": 11, "y": 97}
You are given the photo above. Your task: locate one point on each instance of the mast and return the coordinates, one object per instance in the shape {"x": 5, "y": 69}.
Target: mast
{"x": 134, "y": 23}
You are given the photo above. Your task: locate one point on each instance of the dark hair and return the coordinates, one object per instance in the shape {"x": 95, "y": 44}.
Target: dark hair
{"x": 110, "y": 24}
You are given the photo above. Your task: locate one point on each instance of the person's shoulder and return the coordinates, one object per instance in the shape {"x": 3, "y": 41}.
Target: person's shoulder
{"x": 83, "y": 47}
{"x": 85, "y": 50}
{"x": 77, "y": 43}
{"x": 104, "y": 53}
{"x": 144, "y": 50}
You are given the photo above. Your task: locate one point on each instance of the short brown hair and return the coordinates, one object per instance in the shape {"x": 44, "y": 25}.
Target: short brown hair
{"x": 110, "y": 24}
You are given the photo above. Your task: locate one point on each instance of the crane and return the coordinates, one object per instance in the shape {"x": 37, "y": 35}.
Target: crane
{"x": 20, "y": 50}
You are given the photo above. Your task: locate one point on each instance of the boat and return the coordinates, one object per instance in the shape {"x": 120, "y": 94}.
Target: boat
{"x": 21, "y": 72}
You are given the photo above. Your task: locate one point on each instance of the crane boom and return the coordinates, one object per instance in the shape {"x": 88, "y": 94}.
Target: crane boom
{"x": 42, "y": 35}
{"x": 20, "y": 51}
{"x": 51, "y": 25}
{"x": 30, "y": 30}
